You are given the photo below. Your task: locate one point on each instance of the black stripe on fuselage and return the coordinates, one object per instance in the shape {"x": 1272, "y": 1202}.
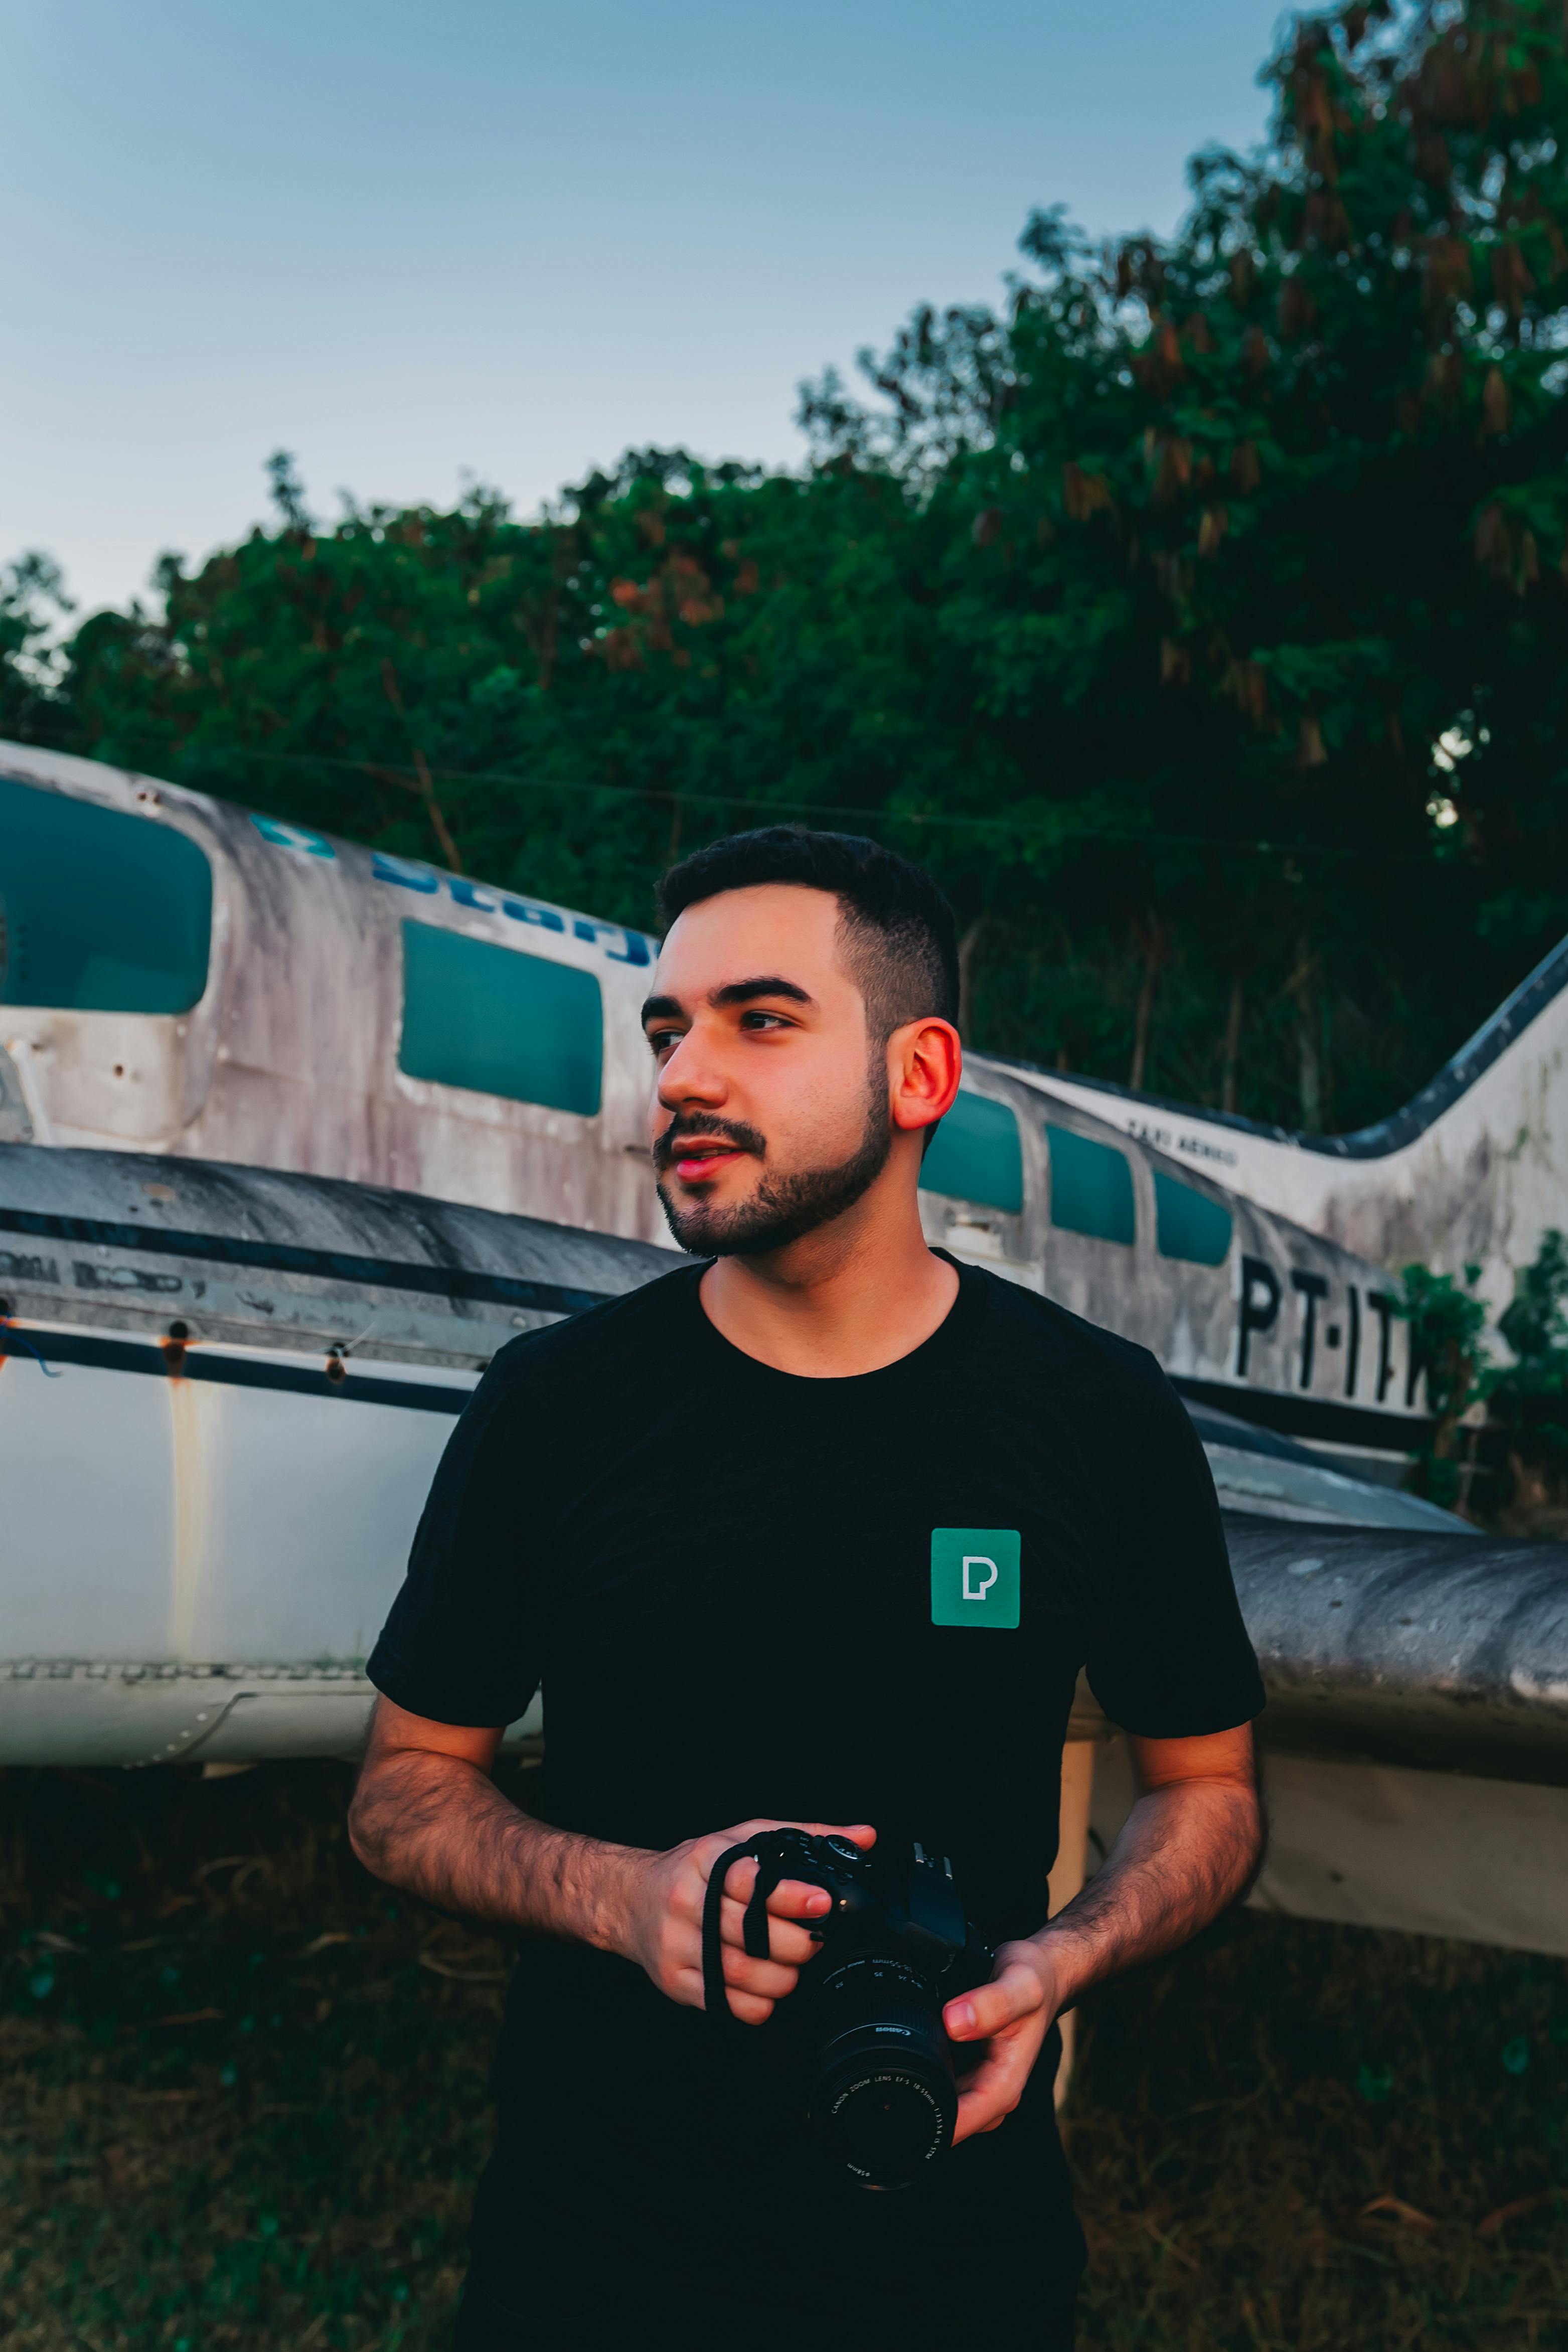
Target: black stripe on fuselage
{"x": 285, "y": 1258}
{"x": 232, "y": 1371}
{"x": 1294, "y": 1417}
{"x": 1311, "y": 1417}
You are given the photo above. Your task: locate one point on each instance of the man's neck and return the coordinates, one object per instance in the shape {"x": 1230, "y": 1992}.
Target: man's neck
{"x": 850, "y": 1297}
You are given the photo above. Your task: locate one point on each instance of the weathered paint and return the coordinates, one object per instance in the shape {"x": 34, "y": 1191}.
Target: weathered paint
{"x": 290, "y": 1062}
{"x": 210, "y": 1590}
{"x": 224, "y": 1395}
{"x": 1473, "y": 1170}
{"x": 192, "y": 1445}
{"x": 203, "y": 1527}
{"x": 212, "y": 1467}
{"x": 289, "y": 1058}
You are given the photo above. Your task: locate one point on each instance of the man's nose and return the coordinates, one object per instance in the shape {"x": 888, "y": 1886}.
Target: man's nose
{"x": 691, "y": 1075}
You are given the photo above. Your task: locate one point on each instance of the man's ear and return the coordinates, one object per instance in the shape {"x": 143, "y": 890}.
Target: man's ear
{"x": 924, "y": 1060}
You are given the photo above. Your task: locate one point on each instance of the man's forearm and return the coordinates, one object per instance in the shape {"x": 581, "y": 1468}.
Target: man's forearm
{"x": 1187, "y": 1852}
{"x": 441, "y": 1827}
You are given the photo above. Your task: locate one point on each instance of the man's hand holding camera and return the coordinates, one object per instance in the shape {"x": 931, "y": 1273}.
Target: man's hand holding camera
{"x": 1189, "y": 1848}
{"x": 1006, "y": 2020}
{"x": 1010, "y": 2016}
{"x": 897, "y": 1924}
{"x": 663, "y": 1907}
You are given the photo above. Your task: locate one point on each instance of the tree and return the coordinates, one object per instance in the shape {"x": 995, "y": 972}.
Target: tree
{"x": 1200, "y": 618}
{"x": 33, "y": 604}
{"x": 1266, "y": 531}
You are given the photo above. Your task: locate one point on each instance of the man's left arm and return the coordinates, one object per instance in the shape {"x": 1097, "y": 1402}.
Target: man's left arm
{"x": 1190, "y": 1847}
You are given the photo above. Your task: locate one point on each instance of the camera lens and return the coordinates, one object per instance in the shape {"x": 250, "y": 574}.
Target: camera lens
{"x": 882, "y": 2089}
{"x": 889, "y": 2124}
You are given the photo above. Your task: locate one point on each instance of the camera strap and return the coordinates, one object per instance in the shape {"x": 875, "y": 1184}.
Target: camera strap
{"x": 771, "y": 1869}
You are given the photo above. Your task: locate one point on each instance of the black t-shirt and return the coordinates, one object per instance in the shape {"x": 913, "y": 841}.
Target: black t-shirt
{"x": 744, "y": 1592}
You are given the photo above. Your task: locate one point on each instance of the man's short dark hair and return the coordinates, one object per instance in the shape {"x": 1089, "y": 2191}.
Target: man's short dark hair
{"x": 899, "y": 940}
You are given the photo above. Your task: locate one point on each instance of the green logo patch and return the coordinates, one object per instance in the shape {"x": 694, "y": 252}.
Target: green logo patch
{"x": 974, "y": 1577}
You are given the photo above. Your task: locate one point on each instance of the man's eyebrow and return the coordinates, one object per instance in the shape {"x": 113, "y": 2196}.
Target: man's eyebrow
{"x": 661, "y": 1008}
{"x": 742, "y": 991}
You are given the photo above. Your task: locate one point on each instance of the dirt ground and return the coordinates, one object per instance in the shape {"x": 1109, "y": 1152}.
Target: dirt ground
{"x": 242, "y": 2103}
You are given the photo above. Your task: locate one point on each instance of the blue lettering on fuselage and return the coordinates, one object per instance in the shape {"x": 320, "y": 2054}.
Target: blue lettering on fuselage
{"x": 294, "y": 836}
{"x": 403, "y": 872}
{"x": 525, "y": 910}
{"x": 620, "y": 945}
{"x": 485, "y": 902}
{"x": 634, "y": 951}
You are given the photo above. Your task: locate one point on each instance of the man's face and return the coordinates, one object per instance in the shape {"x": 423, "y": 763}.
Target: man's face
{"x": 770, "y": 1107}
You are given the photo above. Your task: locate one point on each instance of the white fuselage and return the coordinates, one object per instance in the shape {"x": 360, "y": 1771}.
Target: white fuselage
{"x": 1474, "y": 1171}
{"x": 354, "y": 1017}
{"x": 223, "y": 1388}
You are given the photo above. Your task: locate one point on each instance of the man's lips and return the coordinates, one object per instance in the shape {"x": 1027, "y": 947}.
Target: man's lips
{"x": 694, "y": 1161}
{"x": 697, "y": 1154}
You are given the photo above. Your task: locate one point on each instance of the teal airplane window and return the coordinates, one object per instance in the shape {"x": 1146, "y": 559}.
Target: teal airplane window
{"x": 1091, "y": 1186}
{"x": 1188, "y": 1225}
{"x": 977, "y": 1156}
{"x": 500, "y": 1022}
{"x": 100, "y": 911}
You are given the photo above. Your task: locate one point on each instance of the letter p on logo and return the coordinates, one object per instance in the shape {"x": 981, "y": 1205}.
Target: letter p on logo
{"x": 976, "y": 1588}
{"x": 974, "y": 1577}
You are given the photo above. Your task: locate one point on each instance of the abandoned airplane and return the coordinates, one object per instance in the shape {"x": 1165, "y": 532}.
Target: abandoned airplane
{"x": 164, "y": 962}
{"x": 267, "y": 1356}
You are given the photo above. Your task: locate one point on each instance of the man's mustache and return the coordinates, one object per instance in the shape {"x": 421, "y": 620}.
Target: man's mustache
{"x": 687, "y": 1126}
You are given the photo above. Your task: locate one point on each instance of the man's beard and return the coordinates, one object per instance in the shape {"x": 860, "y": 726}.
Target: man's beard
{"x": 781, "y": 1208}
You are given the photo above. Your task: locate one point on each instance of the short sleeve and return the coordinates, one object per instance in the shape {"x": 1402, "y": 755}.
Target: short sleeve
{"x": 1168, "y": 1654}
{"x": 464, "y": 1641}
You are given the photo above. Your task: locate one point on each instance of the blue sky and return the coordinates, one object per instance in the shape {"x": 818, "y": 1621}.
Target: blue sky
{"x": 403, "y": 241}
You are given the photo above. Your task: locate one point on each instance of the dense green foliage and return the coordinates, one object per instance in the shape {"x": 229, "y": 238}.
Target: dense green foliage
{"x": 1527, "y": 1398}
{"x": 1202, "y": 617}
{"x": 32, "y": 601}
{"x": 1499, "y": 1445}
{"x": 1446, "y": 1323}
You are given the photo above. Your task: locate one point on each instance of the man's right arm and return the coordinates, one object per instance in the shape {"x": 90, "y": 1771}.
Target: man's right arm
{"x": 426, "y": 1816}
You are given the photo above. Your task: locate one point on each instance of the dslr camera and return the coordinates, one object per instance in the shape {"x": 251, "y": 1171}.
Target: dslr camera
{"x": 879, "y": 2083}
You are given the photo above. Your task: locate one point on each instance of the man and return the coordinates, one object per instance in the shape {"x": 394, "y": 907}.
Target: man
{"x": 715, "y": 1520}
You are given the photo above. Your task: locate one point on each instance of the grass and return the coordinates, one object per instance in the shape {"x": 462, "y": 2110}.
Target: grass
{"x": 242, "y": 2103}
